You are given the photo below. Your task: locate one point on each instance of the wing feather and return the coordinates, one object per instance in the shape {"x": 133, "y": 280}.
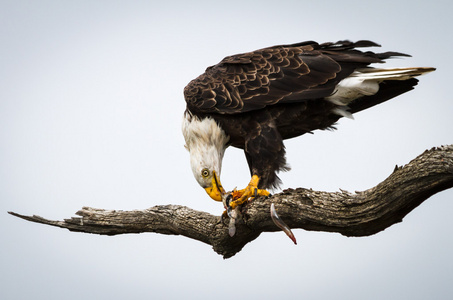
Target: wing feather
{"x": 279, "y": 74}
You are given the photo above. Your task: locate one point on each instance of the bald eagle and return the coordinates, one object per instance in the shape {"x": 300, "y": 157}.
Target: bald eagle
{"x": 255, "y": 100}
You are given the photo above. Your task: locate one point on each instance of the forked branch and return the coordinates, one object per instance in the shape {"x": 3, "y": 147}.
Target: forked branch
{"x": 351, "y": 214}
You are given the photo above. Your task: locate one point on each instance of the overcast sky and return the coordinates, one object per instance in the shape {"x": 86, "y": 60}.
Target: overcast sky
{"x": 90, "y": 114}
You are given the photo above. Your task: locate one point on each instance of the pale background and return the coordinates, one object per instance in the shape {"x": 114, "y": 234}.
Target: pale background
{"x": 90, "y": 110}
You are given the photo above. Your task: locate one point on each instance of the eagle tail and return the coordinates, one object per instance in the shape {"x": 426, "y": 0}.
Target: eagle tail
{"x": 370, "y": 86}
{"x": 390, "y": 74}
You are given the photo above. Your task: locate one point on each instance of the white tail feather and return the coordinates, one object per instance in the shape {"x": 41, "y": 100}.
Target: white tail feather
{"x": 365, "y": 82}
{"x": 342, "y": 111}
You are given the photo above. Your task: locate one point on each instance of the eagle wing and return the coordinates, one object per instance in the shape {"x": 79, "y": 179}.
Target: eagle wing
{"x": 279, "y": 74}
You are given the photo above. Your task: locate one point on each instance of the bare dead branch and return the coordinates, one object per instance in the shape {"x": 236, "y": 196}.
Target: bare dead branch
{"x": 351, "y": 214}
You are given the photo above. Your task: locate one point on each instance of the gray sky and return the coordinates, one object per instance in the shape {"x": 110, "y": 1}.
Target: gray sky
{"x": 90, "y": 110}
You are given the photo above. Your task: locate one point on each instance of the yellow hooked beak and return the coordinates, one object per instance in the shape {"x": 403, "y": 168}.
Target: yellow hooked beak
{"x": 216, "y": 190}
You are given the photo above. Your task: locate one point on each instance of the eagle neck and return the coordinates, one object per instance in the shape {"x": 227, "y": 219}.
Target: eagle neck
{"x": 205, "y": 140}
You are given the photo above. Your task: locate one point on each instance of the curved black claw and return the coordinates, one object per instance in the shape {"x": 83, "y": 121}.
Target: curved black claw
{"x": 226, "y": 203}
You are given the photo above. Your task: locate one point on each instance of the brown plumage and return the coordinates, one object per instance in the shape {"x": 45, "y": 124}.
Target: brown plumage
{"x": 262, "y": 97}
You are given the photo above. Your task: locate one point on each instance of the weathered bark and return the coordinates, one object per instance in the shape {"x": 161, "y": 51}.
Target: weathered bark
{"x": 351, "y": 214}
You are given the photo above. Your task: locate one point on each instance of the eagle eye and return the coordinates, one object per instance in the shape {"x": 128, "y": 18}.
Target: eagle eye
{"x": 205, "y": 172}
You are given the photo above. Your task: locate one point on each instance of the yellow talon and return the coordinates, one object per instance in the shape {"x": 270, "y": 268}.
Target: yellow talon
{"x": 241, "y": 196}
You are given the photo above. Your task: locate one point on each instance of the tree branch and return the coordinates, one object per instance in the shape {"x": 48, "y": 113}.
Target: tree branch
{"x": 351, "y": 214}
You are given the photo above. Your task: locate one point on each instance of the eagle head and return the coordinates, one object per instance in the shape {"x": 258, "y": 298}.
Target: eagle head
{"x": 206, "y": 143}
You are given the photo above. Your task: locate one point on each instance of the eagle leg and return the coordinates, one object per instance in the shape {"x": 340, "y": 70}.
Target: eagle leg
{"x": 241, "y": 196}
